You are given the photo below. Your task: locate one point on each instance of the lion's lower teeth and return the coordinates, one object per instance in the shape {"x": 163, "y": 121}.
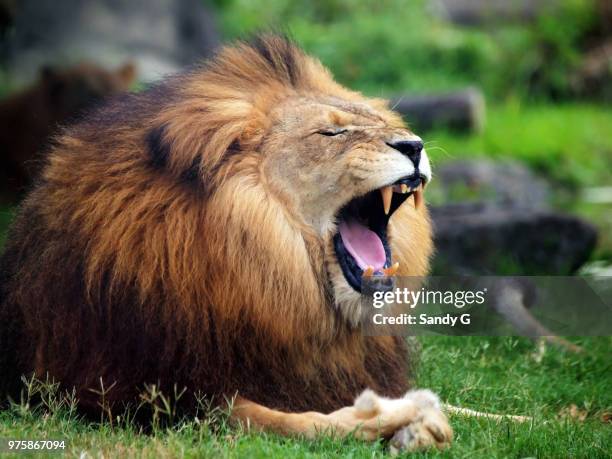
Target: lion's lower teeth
{"x": 368, "y": 271}
{"x": 391, "y": 270}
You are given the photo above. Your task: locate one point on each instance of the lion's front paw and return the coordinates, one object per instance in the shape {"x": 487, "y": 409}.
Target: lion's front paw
{"x": 414, "y": 421}
{"x": 430, "y": 428}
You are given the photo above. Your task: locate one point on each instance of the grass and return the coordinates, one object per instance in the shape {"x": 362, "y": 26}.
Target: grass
{"x": 494, "y": 374}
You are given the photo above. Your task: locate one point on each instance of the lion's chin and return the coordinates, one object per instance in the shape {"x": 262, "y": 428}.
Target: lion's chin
{"x": 347, "y": 300}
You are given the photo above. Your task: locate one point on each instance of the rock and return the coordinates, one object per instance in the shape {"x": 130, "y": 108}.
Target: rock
{"x": 160, "y": 35}
{"x": 459, "y": 111}
{"x": 476, "y": 239}
{"x": 502, "y": 224}
{"x": 505, "y": 184}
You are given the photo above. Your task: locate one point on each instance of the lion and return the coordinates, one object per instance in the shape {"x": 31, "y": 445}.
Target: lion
{"x": 29, "y": 118}
{"x": 211, "y": 233}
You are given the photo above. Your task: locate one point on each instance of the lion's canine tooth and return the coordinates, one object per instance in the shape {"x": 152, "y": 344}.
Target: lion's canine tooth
{"x": 418, "y": 197}
{"x": 387, "y": 194}
{"x": 391, "y": 270}
{"x": 404, "y": 188}
{"x": 368, "y": 271}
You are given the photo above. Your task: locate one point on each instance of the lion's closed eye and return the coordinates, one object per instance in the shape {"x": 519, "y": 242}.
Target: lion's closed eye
{"x": 332, "y": 132}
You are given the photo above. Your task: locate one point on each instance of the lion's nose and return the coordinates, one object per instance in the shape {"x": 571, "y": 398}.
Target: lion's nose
{"x": 410, "y": 148}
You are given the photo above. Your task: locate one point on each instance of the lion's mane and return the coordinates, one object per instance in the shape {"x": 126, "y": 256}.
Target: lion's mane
{"x": 151, "y": 251}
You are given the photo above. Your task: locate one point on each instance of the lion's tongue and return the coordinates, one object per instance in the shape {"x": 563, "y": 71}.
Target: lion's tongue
{"x": 363, "y": 244}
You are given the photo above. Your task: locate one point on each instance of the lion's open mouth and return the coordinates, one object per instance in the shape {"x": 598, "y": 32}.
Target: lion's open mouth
{"x": 361, "y": 244}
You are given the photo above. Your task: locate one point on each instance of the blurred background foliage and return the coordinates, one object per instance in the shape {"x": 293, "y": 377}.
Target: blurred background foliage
{"x": 398, "y": 45}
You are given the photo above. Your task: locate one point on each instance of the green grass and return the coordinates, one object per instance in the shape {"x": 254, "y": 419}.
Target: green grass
{"x": 493, "y": 374}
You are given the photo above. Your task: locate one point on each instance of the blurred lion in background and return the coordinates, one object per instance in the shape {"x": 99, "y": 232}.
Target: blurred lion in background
{"x": 29, "y": 118}
{"x": 212, "y": 233}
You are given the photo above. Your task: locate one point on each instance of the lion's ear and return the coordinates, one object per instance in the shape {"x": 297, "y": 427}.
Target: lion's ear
{"x": 224, "y": 109}
{"x": 194, "y": 149}
{"x": 192, "y": 138}
{"x": 158, "y": 147}
{"x": 162, "y": 155}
